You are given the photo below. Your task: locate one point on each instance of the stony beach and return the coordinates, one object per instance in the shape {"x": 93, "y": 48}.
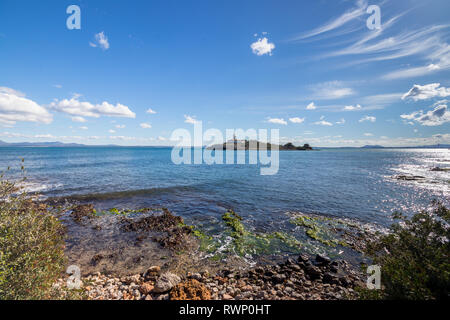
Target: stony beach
{"x": 295, "y": 279}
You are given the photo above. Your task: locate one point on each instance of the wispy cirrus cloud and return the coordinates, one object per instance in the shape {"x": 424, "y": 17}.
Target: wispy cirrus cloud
{"x": 331, "y": 90}
{"x": 335, "y": 23}
{"x": 352, "y": 108}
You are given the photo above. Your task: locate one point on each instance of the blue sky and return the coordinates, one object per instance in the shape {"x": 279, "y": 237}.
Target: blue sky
{"x": 230, "y": 64}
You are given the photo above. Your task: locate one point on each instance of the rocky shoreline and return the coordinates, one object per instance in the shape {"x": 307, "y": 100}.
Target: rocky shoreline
{"x": 302, "y": 279}
{"x": 105, "y": 276}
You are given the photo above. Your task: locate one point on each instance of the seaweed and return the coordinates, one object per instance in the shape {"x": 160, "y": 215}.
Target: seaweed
{"x": 247, "y": 242}
{"x": 321, "y": 229}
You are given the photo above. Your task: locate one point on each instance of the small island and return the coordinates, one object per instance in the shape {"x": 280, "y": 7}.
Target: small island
{"x": 236, "y": 144}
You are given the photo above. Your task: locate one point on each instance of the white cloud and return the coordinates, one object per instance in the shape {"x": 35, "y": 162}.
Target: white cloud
{"x": 428, "y": 91}
{"x": 352, "y": 108}
{"x": 297, "y": 120}
{"x": 331, "y": 90}
{"x": 145, "y": 125}
{"x": 14, "y": 107}
{"x": 322, "y": 122}
{"x": 342, "y": 121}
{"x": 120, "y": 126}
{"x": 189, "y": 119}
{"x": 311, "y": 106}
{"x": 262, "y": 47}
{"x": 74, "y": 107}
{"x": 428, "y": 43}
{"x": 151, "y": 111}
{"x": 101, "y": 41}
{"x": 78, "y": 119}
{"x": 337, "y": 22}
{"x": 412, "y": 72}
{"x": 112, "y": 131}
{"x": 277, "y": 121}
{"x": 368, "y": 118}
{"x": 438, "y": 116}
{"x": 58, "y": 86}
{"x": 84, "y": 128}
{"x": 381, "y": 100}
{"x": 367, "y": 134}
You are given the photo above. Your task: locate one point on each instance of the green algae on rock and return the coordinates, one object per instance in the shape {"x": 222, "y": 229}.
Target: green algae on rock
{"x": 246, "y": 242}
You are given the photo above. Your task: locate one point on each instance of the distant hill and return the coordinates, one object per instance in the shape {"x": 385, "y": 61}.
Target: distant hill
{"x": 40, "y": 144}
{"x": 372, "y": 147}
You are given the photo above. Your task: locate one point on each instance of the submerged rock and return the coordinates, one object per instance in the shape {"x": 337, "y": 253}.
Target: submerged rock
{"x": 84, "y": 211}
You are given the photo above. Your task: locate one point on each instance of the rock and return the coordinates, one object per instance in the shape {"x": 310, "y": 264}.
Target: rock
{"x": 290, "y": 261}
{"x": 313, "y": 272}
{"x": 303, "y": 258}
{"x": 166, "y": 282}
{"x": 145, "y": 288}
{"x": 247, "y": 288}
{"x": 330, "y": 278}
{"x": 279, "y": 278}
{"x": 227, "y": 297}
{"x": 163, "y": 297}
{"x": 440, "y": 169}
{"x": 196, "y": 276}
{"x": 408, "y": 178}
{"x": 323, "y": 260}
{"x": 152, "y": 272}
{"x": 190, "y": 290}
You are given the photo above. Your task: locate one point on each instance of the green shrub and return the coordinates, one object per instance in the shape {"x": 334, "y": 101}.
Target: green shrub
{"x": 31, "y": 246}
{"x": 414, "y": 257}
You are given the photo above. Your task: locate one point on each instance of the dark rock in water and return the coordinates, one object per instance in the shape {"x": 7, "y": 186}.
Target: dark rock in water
{"x": 323, "y": 260}
{"x": 409, "y": 178}
{"x": 84, "y": 211}
{"x": 163, "y": 222}
{"x": 96, "y": 259}
{"x": 441, "y": 169}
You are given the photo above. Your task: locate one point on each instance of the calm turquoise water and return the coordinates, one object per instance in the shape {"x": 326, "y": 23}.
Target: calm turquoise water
{"x": 351, "y": 183}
